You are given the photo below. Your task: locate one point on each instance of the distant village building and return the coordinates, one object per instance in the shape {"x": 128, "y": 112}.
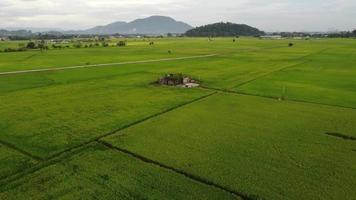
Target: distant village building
{"x": 273, "y": 37}
{"x": 4, "y": 39}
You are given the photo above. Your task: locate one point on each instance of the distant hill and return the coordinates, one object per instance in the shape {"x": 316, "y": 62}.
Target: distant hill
{"x": 224, "y": 29}
{"x": 150, "y": 25}
{"x": 19, "y": 33}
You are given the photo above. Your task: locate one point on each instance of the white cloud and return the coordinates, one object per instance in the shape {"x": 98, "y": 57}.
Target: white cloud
{"x": 283, "y": 15}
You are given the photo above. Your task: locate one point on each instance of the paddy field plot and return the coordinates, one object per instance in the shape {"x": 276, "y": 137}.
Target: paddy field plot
{"x": 269, "y": 122}
{"x": 328, "y": 77}
{"x": 102, "y": 173}
{"x": 257, "y": 146}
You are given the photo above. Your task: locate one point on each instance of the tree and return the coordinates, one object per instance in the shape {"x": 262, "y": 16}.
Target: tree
{"x": 121, "y": 44}
{"x": 42, "y": 45}
{"x": 31, "y": 45}
{"x": 354, "y": 32}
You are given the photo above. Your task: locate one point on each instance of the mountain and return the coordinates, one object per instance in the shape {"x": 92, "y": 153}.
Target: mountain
{"x": 151, "y": 25}
{"x": 224, "y": 29}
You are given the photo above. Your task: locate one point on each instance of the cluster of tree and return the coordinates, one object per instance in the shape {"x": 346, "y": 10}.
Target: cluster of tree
{"x": 224, "y": 29}
{"x": 121, "y": 44}
{"x": 39, "y": 45}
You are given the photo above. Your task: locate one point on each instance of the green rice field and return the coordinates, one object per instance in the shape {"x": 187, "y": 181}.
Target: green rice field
{"x": 268, "y": 121}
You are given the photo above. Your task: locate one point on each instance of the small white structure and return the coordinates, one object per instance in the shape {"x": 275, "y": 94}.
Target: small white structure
{"x": 273, "y": 37}
{"x": 190, "y": 85}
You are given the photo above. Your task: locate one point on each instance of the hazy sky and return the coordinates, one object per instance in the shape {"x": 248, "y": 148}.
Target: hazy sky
{"x": 268, "y": 15}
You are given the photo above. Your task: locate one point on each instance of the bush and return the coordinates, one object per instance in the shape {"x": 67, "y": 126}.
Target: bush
{"x": 56, "y": 47}
{"x": 78, "y": 45}
{"x": 31, "y": 45}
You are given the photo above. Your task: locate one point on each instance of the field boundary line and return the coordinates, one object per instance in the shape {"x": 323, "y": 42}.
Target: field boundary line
{"x": 105, "y": 64}
{"x": 175, "y": 170}
{"x": 281, "y": 68}
{"x": 13, "y": 147}
{"x": 276, "y": 98}
{"x": 4, "y": 181}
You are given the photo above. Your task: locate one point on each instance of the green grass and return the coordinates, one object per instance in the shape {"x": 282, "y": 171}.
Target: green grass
{"x": 101, "y": 173}
{"x": 256, "y": 146}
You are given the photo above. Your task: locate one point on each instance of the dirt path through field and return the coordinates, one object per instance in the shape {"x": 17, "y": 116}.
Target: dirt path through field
{"x": 105, "y": 64}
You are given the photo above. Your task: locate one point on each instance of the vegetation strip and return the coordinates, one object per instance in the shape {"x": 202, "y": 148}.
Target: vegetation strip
{"x": 342, "y": 136}
{"x": 106, "y": 64}
{"x": 188, "y": 175}
{"x": 11, "y": 146}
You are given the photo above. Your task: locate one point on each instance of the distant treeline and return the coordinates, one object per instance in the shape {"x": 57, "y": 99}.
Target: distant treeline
{"x": 53, "y": 35}
{"x": 28, "y": 35}
{"x": 212, "y": 30}
{"x": 223, "y": 30}
{"x": 344, "y": 34}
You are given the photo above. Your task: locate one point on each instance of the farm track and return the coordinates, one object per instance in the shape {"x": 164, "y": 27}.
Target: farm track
{"x": 104, "y": 65}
